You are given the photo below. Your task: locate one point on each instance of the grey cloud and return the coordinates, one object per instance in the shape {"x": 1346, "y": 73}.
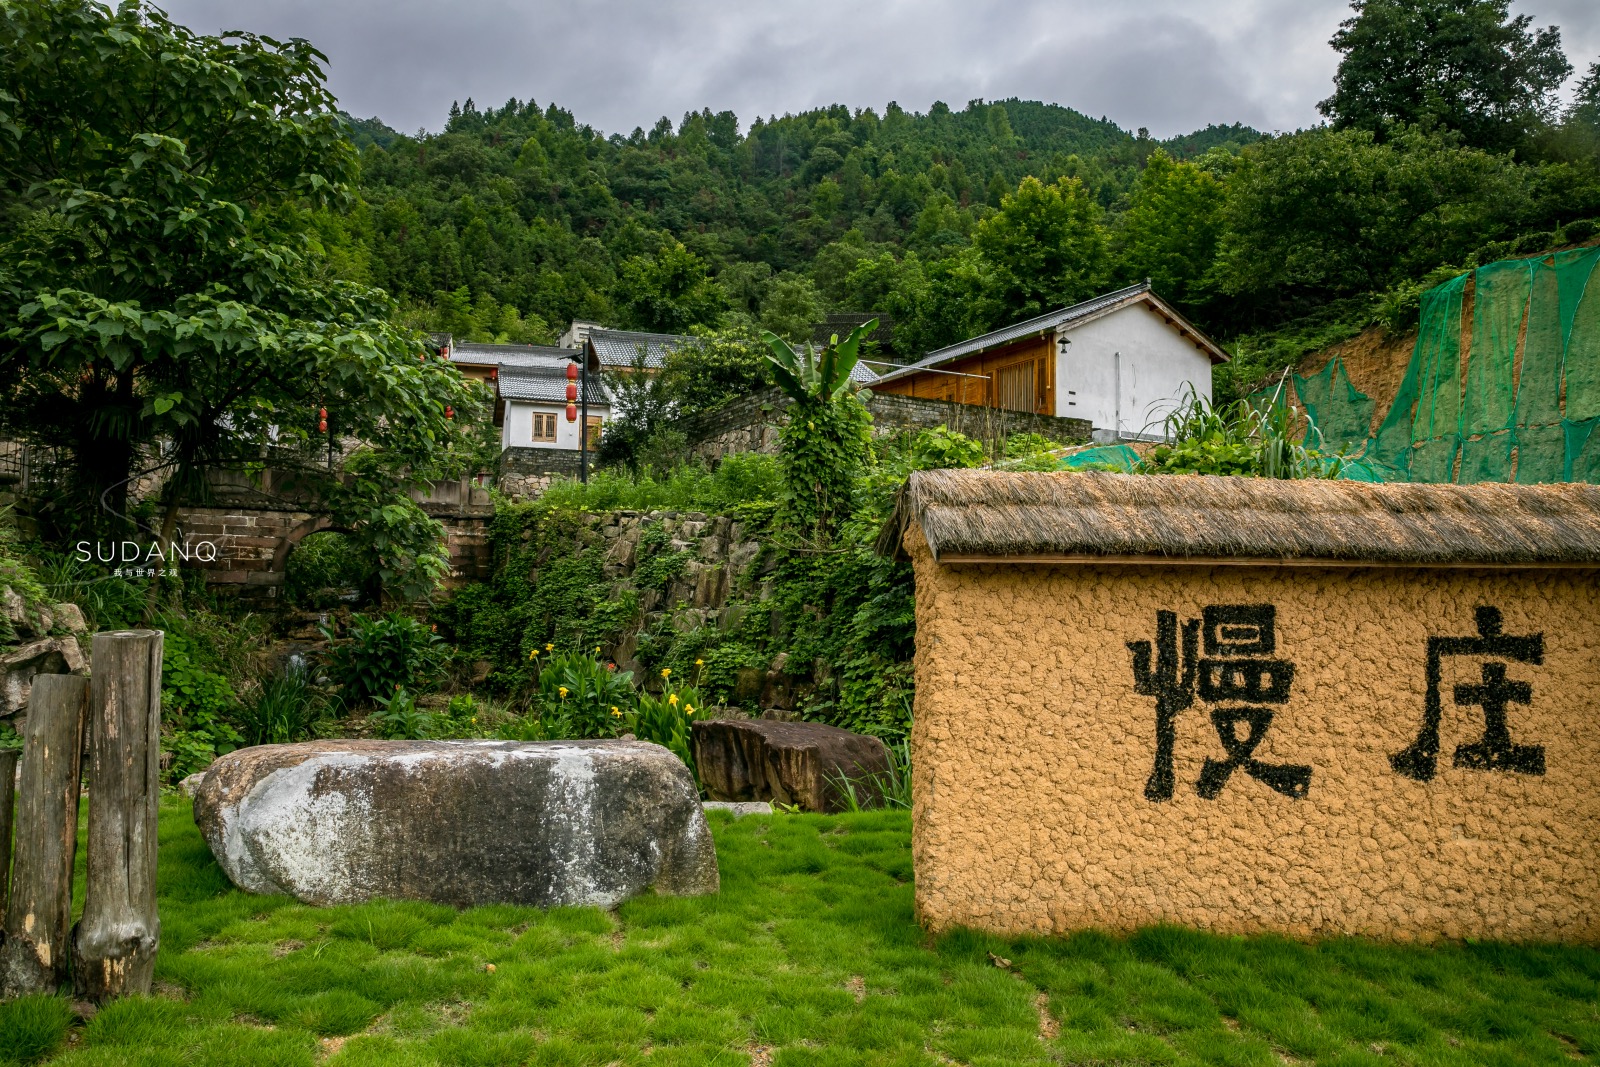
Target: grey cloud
{"x": 1170, "y": 65}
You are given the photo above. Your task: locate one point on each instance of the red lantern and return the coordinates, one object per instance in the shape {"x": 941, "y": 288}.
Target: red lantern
{"x": 572, "y": 413}
{"x": 572, "y": 391}
{"x": 322, "y": 420}
{"x": 572, "y": 372}
{"x": 494, "y": 374}
{"x": 449, "y": 412}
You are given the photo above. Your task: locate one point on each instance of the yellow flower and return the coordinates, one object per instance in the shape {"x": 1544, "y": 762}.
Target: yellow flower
{"x": 688, "y": 709}
{"x": 673, "y": 700}
{"x": 597, "y": 650}
{"x": 666, "y": 672}
{"x": 699, "y": 663}
{"x": 549, "y": 648}
{"x": 615, "y": 712}
{"x": 533, "y": 655}
{"x": 563, "y": 691}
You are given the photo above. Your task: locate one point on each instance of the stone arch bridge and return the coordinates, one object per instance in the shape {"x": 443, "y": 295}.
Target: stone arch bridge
{"x": 253, "y": 530}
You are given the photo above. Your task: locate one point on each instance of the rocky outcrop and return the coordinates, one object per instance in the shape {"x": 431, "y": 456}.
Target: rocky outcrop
{"x": 48, "y": 645}
{"x": 800, "y": 763}
{"x": 458, "y": 822}
{"x": 52, "y": 655}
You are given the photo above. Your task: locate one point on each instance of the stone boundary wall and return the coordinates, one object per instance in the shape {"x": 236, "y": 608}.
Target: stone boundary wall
{"x": 750, "y": 423}
{"x": 523, "y": 472}
{"x": 1247, "y": 749}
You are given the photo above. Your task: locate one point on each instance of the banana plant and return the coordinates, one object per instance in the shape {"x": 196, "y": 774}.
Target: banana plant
{"x": 813, "y": 374}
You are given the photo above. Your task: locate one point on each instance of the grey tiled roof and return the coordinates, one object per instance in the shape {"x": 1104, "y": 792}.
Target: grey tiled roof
{"x": 546, "y": 385}
{"x": 620, "y": 348}
{"x": 862, "y": 374}
{"x": 510, "y": 355}
{"x": 1039, "y": 324}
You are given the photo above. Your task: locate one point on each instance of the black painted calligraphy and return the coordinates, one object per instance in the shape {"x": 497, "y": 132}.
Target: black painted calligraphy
{"x": 1494, "y": 751}
{"x": 1239, "y": 640}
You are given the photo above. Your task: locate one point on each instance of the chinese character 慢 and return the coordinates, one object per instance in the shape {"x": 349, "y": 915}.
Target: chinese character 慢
{"x": 1494, "y": 751}
{"x": 1238, "y": 639}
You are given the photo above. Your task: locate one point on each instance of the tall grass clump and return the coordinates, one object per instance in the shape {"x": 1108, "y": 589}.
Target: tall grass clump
{"x": 1248, "y": 437}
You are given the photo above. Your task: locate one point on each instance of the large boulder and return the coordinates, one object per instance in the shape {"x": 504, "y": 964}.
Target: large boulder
{"x": 803, "y": 763}
{"x": 458, "y": 822}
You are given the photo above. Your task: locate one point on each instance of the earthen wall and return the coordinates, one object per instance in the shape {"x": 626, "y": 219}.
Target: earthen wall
{"x": 1033, "y": 754}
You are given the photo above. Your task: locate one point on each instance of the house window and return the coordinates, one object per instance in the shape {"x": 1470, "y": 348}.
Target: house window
{"x": 593, "y": 439}
{"x": 1014, "y": 387}
{"x": 544, "y": 426}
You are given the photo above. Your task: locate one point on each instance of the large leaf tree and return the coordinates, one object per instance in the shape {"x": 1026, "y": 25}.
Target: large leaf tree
{"x": 163, "y": 303}
{"x": 829, "y": 433}
{"x": 1464, "y": 65}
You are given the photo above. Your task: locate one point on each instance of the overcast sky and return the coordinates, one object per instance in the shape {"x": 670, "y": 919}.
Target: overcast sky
{"x": 1170, "y": 65}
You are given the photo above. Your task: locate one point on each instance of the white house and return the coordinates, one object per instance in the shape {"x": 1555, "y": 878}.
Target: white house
{"x": 1123, "y": 361}
{"x": 534, "y": 399}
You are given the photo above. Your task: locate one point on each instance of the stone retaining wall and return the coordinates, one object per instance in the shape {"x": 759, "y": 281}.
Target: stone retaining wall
{"x": 750, "y": 423}
{"x": 523, "y": 473}
{"x": 723, "y": 573}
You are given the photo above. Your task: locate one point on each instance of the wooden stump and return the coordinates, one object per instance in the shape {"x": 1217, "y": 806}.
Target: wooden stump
{"x": 114, "y": 946}
{"x": 8, "y": 800}
{"x": 33, "y": 958}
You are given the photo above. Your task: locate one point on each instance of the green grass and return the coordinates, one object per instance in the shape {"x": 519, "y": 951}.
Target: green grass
{"x": 810, "y": 955}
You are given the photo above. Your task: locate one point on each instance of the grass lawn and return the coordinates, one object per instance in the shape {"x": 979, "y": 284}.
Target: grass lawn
{"x": 810, "y": 955}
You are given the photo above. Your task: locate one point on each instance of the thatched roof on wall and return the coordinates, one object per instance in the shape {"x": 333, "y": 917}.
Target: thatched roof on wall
{"x": 976, "y": 515}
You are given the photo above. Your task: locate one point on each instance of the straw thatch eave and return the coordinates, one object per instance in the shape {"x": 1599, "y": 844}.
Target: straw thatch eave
{"x": 998, "y": 516}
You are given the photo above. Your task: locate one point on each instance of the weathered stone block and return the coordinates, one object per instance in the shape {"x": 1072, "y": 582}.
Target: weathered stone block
{"x": 458, "y": 822}
{"x": 787, "y": 762}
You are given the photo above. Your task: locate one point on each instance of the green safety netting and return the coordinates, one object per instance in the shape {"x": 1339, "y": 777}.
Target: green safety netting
{"x": 1503, "y": 385}
{"x": 1106, "y": 457}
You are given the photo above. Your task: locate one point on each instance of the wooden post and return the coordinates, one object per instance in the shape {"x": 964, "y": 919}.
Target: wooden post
{"x": 8, "y": 811}
{"x": 114, "y": 947}
{"x": 33, "y": 958}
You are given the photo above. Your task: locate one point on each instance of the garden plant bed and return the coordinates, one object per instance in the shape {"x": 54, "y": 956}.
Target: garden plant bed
{"x": 809, "y": 955}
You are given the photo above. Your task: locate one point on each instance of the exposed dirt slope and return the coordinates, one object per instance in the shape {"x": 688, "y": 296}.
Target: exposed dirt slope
{"x": 1375, "y": 360}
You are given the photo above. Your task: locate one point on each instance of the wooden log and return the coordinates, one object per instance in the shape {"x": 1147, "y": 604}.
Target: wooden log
{"x": 114, "y": 946}
{"x": 8, "y": 812}
{"x": 33, "y": 958}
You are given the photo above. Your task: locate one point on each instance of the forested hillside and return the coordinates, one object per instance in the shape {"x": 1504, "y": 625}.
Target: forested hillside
{"x": 516, "y": 219}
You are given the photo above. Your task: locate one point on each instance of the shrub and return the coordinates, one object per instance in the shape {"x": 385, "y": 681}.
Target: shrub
{"x": 196, "y": 704}
{"x": 397, "y": 717}
{"x": 1238, "y": 438}
{"x": 382, "y": 653}
{"x": 665, "y": 720}
{"x": 326, "y": 569}
{"x": 942, "y": 448}
{"x": 579, "y": 697}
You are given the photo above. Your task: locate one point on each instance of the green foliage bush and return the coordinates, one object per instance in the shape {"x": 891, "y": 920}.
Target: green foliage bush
{"x": 326, "y": 569}
{"x": 579, "y": 697}
{"x": 942, "y": 448}
{"x": 748, "y": 477}
{"x": 396, "y": 717}
{"x": 197, "y": 707}
{"x": 665, "y": 719}
{"x": 381, "y": 653}
{"x": 1244, "y": 438}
